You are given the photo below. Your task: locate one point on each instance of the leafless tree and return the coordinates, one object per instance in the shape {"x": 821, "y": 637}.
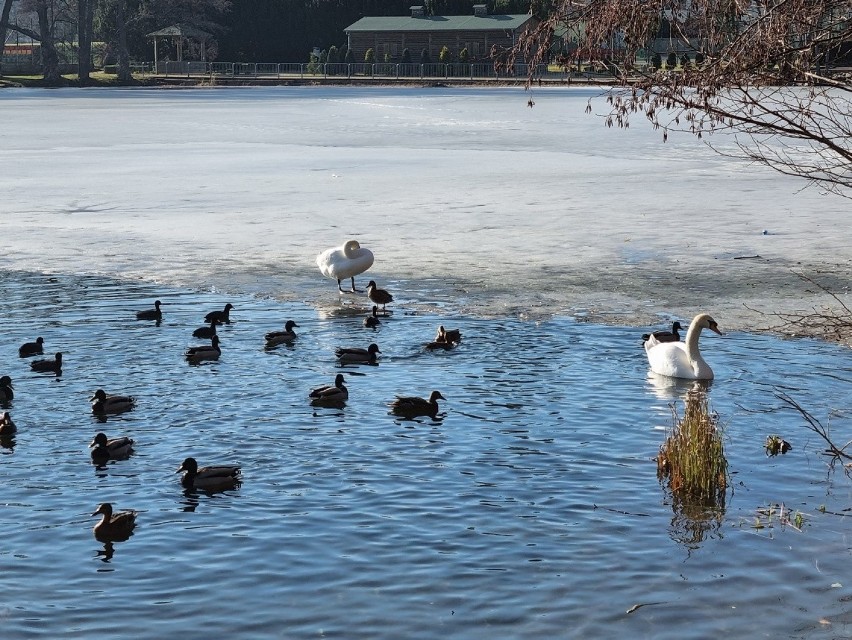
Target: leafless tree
{"x": 763, "y": 70}
{"x": 4, "y": 20}
{"x": 47, "y": 14}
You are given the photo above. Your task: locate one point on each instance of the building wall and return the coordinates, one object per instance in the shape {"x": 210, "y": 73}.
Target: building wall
{"x": 478, "y": 43}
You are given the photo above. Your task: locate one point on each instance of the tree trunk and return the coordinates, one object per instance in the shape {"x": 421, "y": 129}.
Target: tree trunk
{"x": 85, "y": 17}
{"x": 4, "y": 20}
{"x": 49, "y": 56}
{"x": 124, "y": 74}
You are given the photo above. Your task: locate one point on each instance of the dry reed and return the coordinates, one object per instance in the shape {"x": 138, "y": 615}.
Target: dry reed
{"x": 693, "y": 456}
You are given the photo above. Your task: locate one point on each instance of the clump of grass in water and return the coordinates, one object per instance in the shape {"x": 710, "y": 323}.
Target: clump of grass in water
{"x": 693, "y": 456}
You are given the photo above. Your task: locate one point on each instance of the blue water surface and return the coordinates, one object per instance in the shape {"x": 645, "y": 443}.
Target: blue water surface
{"x": 530, "y": 508}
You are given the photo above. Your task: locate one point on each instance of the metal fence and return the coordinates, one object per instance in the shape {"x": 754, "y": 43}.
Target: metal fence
{"x": 308, "y": 70}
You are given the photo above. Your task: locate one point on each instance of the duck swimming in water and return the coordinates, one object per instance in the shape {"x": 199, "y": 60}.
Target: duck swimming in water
{"x": 48, "y": 366}
{"x": 356, "y": 355}
{"x": 104, "y": 449}
{"x": 344, "y": 262}
{"x": 151, "y": 314}
{"x": 204, "y": 352}
{"x": 330, "y": 396}
{"x": 274, "y": 338}
{"x": 411, "y": 407}
{"x": 32, "y": 348}
{"x": 7, "y": 427}
{"x": 372, "y": 321}
{"x": 113, "y": 527}
{"x": 7, "y": 392}
{"x": 206, "y": 332}
{"x": 665, "y": 336}
{"x": 223, "y": 316}
{"x": 103, "y": 403}
{"x": 213, "y": 478}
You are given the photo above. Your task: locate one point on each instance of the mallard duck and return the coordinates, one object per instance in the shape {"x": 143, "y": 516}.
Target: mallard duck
{"x": 204, "y": 352}
{"x": 7, "y": 427}
{"x": 347, "y": 261}
{"x": 665, "y": 336}
{"x": 439, "y": 344}
{"x": 330, "y": 396}
{"x": 445, "y": 339}
{"x": 274, "y": 338}
{"x": 378, "y": 296}
{"x": 45, "y": 366}
{"x": 372, "y": 320}
{"x": 32, "y": 348}
{"x": 114, "y": 449}
{"x": 215, "y": 478}
{"x": 223, "y": 316}
{"x": 448, "y": 335}
{"x": 113, "y": 527}
{"x": 206, "y": 332}
{"x": 7, "y": 392}
{"x": 103, "y": 403}
{"x": 354, "y": 355}
{"x": 411, "y": 407}
{"x": 682, "y": 359}
{"x": 151, "y": 314}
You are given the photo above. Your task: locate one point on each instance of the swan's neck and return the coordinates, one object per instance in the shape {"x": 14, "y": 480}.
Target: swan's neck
{"x": 691, "y": 343}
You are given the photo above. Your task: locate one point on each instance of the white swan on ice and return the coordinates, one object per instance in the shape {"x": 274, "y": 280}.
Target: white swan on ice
{"x": 682, "y": 359}
{"x": 345, "y": 262}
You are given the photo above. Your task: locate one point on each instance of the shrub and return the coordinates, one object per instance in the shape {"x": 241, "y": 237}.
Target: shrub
{"x": 656, "y": 61}
{"x": 350, "y": 57}
{"x": 424, "y": 56}
{"x": 671, "y": 61}
{"x": 406, "y": 56}
{"x": 388, "y": 56}
{"x": 333, "y": 54}
{"x": 313, "y": 63}
{"x": 370, "y": 56}
{"x": 445, "y": 57}
{"x": 464, "y": 56}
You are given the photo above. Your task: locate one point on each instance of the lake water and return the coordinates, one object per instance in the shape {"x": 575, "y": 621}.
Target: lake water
{"x": 529, "y": 509}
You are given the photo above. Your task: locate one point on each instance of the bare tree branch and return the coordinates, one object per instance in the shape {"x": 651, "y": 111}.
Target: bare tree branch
{"x": 763, "y": 72}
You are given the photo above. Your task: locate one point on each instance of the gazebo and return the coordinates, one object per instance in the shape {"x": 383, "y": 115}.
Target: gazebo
{"x": 178, "y": 33}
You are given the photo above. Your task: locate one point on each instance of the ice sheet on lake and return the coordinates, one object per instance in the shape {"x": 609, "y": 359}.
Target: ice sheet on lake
{"x": 467, "y": 197}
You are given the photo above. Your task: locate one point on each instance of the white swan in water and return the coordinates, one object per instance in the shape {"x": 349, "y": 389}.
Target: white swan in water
{"x": 345, "y": 262}
{"x": 682, "y": 359}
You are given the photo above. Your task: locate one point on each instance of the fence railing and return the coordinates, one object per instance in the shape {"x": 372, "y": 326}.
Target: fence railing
{"x": 309, "y": 70}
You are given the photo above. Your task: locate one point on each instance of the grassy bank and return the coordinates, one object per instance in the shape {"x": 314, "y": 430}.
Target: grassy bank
{"x": 96, "y": 79}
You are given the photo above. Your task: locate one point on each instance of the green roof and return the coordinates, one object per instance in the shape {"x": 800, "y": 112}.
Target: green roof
{"x": 440, "y": 23}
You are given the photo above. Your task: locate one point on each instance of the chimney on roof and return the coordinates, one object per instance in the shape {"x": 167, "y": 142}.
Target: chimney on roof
{"x": 480, "y": 10}
{"x": 418, "y": 11}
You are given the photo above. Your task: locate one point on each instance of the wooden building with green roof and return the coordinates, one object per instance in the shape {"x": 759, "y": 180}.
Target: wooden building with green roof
{"x": 478, "y": 33}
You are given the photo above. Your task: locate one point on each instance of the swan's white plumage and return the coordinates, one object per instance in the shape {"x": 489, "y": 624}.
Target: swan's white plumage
{"x": 344, "y": 262}
{"x": 682, "y": 359}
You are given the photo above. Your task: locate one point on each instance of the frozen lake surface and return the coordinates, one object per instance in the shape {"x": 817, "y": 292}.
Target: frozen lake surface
{"x": 531, "y": 507}
{"x": 468, "y": 198}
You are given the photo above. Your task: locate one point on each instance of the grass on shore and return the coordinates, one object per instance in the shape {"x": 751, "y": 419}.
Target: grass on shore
{"x": 96, "y": 79}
